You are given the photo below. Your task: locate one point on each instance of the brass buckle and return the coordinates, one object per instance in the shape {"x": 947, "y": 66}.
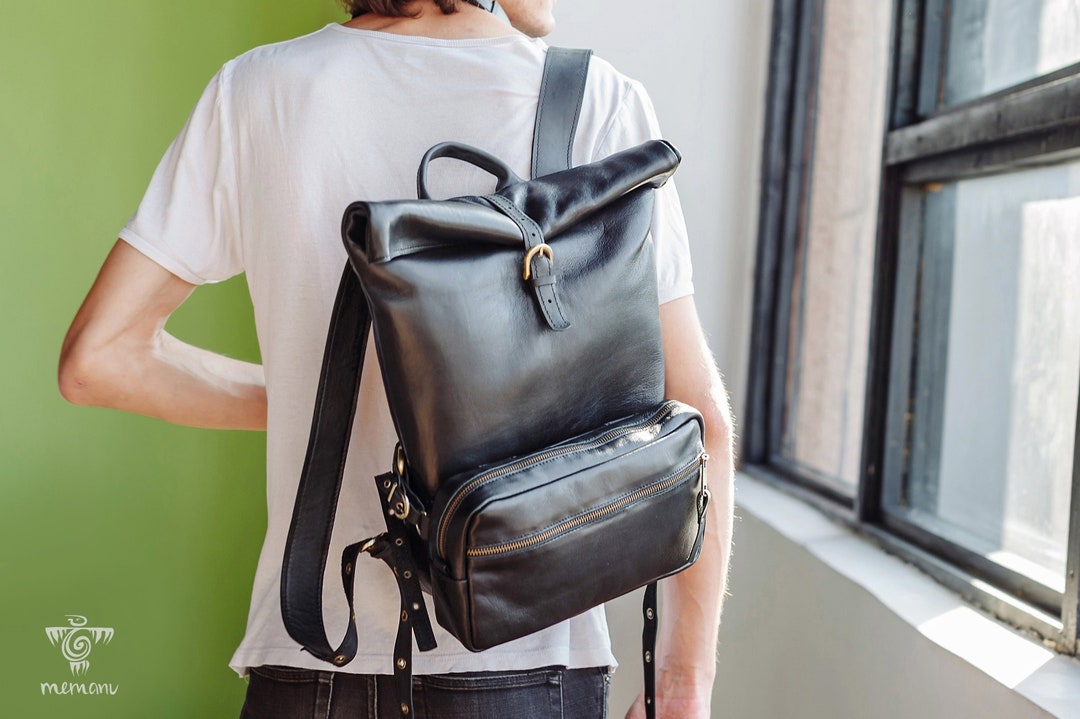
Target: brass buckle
{"x": 401, "y": 507}
{"x": 542, "y": 248}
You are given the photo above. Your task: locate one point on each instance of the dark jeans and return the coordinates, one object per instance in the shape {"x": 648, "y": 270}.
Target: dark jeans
{"x": 551, "y": 693}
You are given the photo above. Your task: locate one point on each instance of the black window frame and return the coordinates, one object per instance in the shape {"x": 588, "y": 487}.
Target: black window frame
{"x": 1034, "y": 123}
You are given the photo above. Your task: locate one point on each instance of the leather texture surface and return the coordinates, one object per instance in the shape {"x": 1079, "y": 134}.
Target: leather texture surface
{"x": 304, "y": 562}
{"x": 561, "y": 93}
{"x": 444, "y": 282}
{"x": 507, "y": 549}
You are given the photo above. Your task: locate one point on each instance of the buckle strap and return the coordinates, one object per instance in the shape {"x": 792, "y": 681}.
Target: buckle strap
{"x": 393, "y": 547}
{"x": 539, "y": 268}
{"x": 648, "y": 648}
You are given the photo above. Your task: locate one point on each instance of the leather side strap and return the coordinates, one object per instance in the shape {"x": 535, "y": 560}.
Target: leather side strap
{"x": 540, "y": 269}
{"x": 648, "y": 648}
{"x": 320, "y": 481}
{"x": 561, "y": 93}
{"x": 393, "y": 547}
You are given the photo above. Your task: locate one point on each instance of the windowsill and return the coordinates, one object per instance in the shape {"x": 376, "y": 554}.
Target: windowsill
{"x": 1040, "y": 675}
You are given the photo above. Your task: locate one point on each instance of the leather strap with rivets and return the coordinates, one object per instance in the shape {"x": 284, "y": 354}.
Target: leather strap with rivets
{"x": 393, "y": 547}
{"x": 648, "y": 648}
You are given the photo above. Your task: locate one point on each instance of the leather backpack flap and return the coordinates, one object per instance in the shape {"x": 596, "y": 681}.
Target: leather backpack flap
{"x": 473, "y": 372}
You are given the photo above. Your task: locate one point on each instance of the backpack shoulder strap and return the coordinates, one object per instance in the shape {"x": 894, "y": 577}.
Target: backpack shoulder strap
{"x": 561, "y": 93}
{"x": 320, "y": 479}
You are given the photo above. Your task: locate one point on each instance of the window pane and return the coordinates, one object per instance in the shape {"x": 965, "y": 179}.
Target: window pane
{"x": 830, "y": 311}
{"x": 994, "y": 44}
{"x": 998, "y": 367}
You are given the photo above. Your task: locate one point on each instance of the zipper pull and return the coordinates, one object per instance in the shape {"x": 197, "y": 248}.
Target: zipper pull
{"x": 704, "y": 495}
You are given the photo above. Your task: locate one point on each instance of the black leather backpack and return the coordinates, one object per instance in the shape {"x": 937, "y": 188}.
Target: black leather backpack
{"x": 540, "y": 471}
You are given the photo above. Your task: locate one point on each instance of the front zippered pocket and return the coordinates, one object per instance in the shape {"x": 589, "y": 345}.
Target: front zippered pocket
{"x": 573, "y": 446}
{"x": 542, "y": 538}
{"x": 597, "y": 514}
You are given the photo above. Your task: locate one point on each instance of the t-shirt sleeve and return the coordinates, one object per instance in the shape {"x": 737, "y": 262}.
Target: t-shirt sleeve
{"x": 634, "y": 123}
{"x": 187, "y": 220}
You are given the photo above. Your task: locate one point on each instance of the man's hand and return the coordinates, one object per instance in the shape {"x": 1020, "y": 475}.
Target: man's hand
{"x": 691, "y": 600}
{"x": 117, "y": 354}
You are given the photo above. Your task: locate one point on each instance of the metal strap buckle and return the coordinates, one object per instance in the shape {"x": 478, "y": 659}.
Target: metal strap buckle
{"x": 397, "y": 499}
{"x": 542, "y": 248}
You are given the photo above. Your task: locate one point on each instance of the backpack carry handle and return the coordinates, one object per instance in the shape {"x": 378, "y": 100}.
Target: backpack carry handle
{"x": 469, "y": 154}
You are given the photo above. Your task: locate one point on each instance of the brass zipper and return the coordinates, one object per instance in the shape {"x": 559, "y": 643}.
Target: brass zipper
{"x": 568, "y": 525}
{"x": 475, "y": 482}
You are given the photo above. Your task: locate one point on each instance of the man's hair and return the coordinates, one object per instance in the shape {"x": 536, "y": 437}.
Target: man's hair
{"x": 391, "y": 8}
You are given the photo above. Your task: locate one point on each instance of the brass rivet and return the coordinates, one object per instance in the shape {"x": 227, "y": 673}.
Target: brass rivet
{"x": 386, "y": 484}
{"x": 408, "y": 574}
{"x": 648, "y": 657}
{"x": 399, "y": 542}
{"x": 404, "y": 616}
{"x": 340, "y": 659}
{"x": 416, "y": 606}
{"x": 648, "y": 700}
{"x": 404, "y": 708}
{"x": 649, "y": 613}
{"x": 401, "y": 664}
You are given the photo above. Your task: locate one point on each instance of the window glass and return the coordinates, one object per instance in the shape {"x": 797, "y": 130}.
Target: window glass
{"x": 997, "y": 368}
{"x": 830, "y": 313}
{"x": 993, "y": 44}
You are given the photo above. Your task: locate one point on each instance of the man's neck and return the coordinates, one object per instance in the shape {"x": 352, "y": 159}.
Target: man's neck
{"x": 429, "y": 21}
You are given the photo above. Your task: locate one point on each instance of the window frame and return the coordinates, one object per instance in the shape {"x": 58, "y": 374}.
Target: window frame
{"x": 1030, "y": 124}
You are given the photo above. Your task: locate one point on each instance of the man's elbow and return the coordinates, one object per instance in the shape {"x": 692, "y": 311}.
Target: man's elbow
{"x": 73, "y": 378}
{"x": 81, "y": 373}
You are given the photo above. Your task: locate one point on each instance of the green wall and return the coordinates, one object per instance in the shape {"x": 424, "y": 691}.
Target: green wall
{"x": 146, "y": 528}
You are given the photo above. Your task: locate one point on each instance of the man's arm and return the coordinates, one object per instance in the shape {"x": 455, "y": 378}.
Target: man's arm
{"x": 117, "y": 354}
{"x": 691, "y": 600}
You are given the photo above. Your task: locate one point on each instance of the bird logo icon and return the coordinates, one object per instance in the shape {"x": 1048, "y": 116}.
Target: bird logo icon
{"x": 76, "y": 641}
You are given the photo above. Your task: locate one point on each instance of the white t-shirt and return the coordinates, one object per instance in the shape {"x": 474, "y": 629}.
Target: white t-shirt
{"x": 282, "y": 140}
